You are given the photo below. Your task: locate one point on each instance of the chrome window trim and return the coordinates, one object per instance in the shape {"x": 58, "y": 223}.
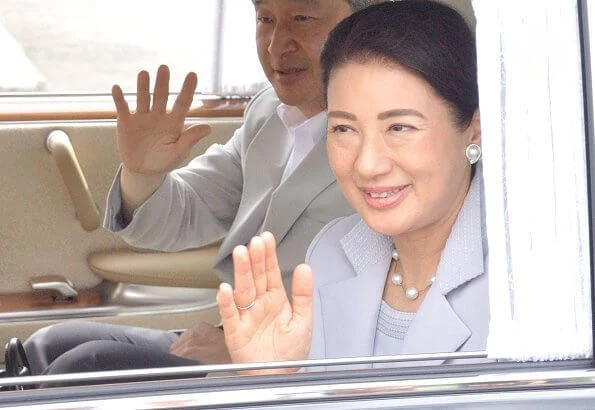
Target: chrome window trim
{"x": 462, "y": 388}
{"x": 102, "y": 311}
{"x": 107, "y": 122}
{"x": 81, "y": 96}
{"x": 186, "y": 371}
{"x": 589, "y": 113}
{"x": 125, "y": 299}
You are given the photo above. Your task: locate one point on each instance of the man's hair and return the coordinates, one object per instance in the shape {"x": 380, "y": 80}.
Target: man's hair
{"x": 360, "y": 4}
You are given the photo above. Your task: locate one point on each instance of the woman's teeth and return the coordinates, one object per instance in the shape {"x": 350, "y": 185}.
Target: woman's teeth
{"x": 384, "y": 194}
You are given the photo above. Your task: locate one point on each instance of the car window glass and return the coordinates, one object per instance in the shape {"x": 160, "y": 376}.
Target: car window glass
{"x": 87, "y": 46}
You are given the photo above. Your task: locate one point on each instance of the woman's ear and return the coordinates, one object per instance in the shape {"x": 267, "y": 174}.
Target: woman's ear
{"x": 474, "y": 129}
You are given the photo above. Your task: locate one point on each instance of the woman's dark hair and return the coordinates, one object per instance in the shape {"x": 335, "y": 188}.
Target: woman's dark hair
{"x": 425, "y": 37}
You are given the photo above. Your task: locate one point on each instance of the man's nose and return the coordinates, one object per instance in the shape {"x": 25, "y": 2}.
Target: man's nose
{"x": 282, "y": 41}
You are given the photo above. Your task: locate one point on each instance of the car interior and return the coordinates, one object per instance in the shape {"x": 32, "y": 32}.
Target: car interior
{"x": 58, "y": 159}
{"x": 58, "y": 263}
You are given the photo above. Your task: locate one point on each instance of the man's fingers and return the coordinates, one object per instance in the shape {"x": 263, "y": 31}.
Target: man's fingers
{"x": 184, "y": 99}
{"x": 191, "y": 136}
{"x": 230, "y": 317}
{"x": 143, "y": 98}
{"x": 244, "y": 291}
{"x": 161, "y": 92}
{"x": 121, "y": 104}
{"x": 301, "y": 292}
{"x": 273, "y": 273}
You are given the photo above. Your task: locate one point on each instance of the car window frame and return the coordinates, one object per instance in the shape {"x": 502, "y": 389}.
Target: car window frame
{"x": 582, "y": 377}
{"x": 24, "y": 107}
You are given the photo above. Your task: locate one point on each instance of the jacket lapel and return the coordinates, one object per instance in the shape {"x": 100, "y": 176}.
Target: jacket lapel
{"x": 350, "y": 307}
{"x": 266, "y": 157}
{"x": 437, "y": 328}
{"x": 292, "y": 197}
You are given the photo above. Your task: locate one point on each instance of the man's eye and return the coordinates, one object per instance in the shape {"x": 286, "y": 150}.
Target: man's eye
{"x": 264, "y": 20}
{"x": 302, "y": 17}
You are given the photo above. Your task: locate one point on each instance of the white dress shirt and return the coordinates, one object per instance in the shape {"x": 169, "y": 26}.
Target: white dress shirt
{"x": 304, "y": 133}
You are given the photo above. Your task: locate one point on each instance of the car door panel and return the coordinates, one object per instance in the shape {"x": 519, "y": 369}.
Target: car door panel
{"x": 43, "y": 240}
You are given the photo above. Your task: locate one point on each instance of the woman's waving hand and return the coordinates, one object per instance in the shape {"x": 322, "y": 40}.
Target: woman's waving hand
{"x": 259, "y": 322}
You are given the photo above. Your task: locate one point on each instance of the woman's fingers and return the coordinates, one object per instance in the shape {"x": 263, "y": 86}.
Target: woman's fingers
{"x": 301, "y": 292}
{"x": 230, "y": 316}
{"x": 257, "y": 255}
{"x": 273, "y": 273}
{"x": 245, "y": 291}
{"x": 161, "y": 92}
{"x": 272, "y": 329}
{"x": 143, "y": 98}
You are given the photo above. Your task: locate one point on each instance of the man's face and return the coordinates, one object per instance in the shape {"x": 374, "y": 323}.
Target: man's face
{"x": 290, "y": 35}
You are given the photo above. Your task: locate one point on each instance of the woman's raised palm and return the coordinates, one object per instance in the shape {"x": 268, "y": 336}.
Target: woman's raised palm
{"x": 152, "y": 140}
{"x": 270, "y": 329}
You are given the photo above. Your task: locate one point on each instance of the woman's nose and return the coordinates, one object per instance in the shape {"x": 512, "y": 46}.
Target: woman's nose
{"x": 372, "y": 160}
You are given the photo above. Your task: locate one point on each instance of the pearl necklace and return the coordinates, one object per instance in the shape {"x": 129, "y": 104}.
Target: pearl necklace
{"x": 396, "y": 279}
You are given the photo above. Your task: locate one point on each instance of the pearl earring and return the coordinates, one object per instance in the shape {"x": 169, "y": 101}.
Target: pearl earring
{"x": 473, "y": 153}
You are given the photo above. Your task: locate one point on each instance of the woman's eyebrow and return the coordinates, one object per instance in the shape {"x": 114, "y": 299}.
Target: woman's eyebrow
{"x": 259, "y": 2}
{"x": 397, "y": 112}
{"x": 341, "y": 114}
{"x": 400, "y": 112}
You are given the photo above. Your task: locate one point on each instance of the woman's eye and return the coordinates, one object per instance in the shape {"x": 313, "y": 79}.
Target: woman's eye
{"x": 400, "y": 127}
{"x": 340, "y": 128}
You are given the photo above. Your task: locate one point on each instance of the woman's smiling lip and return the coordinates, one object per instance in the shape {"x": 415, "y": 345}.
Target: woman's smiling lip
{"x": 385, "y": 197}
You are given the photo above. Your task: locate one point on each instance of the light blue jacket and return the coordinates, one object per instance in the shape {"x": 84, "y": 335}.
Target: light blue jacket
{"x": 350, "y": 264}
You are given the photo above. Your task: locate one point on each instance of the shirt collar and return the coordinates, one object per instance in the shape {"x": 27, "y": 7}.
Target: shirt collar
{"x": 297, "y": 123}
{"x": 290, "y": 116}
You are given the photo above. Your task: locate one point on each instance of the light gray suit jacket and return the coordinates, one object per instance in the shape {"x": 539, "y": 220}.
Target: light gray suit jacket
{"x": 232, "y": 189}
{"x": 350, "y": 264}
